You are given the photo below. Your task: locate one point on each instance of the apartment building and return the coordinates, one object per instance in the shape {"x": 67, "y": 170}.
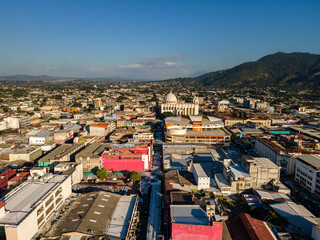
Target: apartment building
{"x": 30, "y": 205}
{"x": 307, "y": 172}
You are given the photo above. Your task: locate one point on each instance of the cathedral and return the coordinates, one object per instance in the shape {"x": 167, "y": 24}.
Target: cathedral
{"x": 171, "y": 104}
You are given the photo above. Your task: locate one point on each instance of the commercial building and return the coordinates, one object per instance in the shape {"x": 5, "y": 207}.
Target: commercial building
{"x": 175, "y": 161}
{"x": 97, "y": 214}
{"x": 30, "y": 205}
{"x": 196, "y": 129}
{"x": 63, "y": 153}
{"x": 262, "y": 170}
{"x": 128, "y": 157}
{"x": 200, "y": 176}
{"x": 26, "y": 154}
{"x": 307, "y": 172}
{"x": 247, "y": 228}
{"x": 171, "y": 104}
{"x": 41, "y": 138}
{"x": 297, "y": 215}
{"x": 276, "y": 153}
{"x": 90, "y": 156}
{"x": 192, "y": 222}
{"x": 99, "y": 129}
{"x": 17, "y": 122}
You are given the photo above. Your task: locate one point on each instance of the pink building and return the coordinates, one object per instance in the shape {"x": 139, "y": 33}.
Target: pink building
{"x": 192, "y": 222}
{"x": 135, "y": 158}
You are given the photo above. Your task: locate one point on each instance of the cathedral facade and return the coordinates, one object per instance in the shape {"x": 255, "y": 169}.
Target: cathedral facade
{"x": 171, "y": 104}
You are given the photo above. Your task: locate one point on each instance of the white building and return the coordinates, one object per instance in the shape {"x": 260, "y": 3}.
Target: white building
{"x": 40, "y": 138}
{"x": 200, "y": 176}
{"x": 17, "y": 122}
{"x": 171, "y": 105}
{"x": 29, "y": 206}
{"x": 307, "y": 172}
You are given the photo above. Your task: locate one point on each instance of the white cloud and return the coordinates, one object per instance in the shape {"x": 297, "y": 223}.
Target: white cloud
{"x": 136, "y": 65}
{"x": 164, "y": 62}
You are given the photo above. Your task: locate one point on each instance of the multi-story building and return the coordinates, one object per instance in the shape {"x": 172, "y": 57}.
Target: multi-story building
{"x": 276, "y": 153}
{"x": 17, "y": 122}
{"x": 307, "y": 172}
{"x": 196, "y": 129}
{"x": 99, "y": 129}
{"x": 28, "y": 207}
{"x": 200, "y": 176}
{"x": 262, "y": 170}
{"x": 128, "y": 157}
{"x": 26, "y": 154}
{"x": 63, "y": 153}
{"x": 90, "y": 157}
{"x": 171, "y": 104}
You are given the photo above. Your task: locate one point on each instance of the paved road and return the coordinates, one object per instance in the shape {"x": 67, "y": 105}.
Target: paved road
{"x": 154, "y": 221}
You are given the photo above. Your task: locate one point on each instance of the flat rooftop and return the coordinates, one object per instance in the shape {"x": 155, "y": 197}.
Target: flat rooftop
{"x": 312, "y": 160}
{"x": 239, "y": 172}
{"x": 121, "y": 217}
{"x": 60, "y": 151}
{"x": 98, "y": 213}
{"x": 21, "y": 201}
{"x": 199, "y": 170}
{"x": 189, "y": 214}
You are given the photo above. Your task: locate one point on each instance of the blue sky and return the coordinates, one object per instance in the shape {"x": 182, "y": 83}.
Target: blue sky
{"x": 149, "y": 39}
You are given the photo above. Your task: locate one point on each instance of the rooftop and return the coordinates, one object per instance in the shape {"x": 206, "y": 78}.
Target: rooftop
{"x": 21, "y": 201}
{"x": 312, "y": 160}
{"x": 199, "y": 170}
{"x": 189, "y": 214}
{"x": 92, "y": 213}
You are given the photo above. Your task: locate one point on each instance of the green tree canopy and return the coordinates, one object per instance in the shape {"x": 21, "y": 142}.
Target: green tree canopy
{"x": 134, "y": 176}
{"x": 166, "y": 114}
{"x": 102, "y": 173}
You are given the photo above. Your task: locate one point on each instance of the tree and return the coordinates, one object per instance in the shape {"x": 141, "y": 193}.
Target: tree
{"x": 166, "y": 114}
{"x": 135, "y": 176}
{"x": 102, "y": 173}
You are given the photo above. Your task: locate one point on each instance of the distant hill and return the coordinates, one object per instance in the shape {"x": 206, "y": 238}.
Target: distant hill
{"x": 301, "y": 70}
{"x": 53, "y": 79}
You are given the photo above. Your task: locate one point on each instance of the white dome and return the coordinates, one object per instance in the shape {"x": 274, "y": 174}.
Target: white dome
{"x": 171, "y": 98}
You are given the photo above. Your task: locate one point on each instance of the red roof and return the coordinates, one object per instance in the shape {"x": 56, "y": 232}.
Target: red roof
{"x": 2, "y": 204}
{"x": 247, "y": 227}
{"x": 8, "y": 171}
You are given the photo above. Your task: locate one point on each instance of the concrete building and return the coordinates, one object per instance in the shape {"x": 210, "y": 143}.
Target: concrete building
{"x": 70, "y": 169}
{"x": 192, "y": 222}
{"x": 90, "y": 156}
{"x": 307, "y": 172}
{"x": 99, "y": 129}
{"x": 41, "y": 138}
{"x": 175, "y": 161}
{"x": 276, "y": 153}
{"x": 97, "y": 214}
{"x": 143, "y": 135}
{"x": 17, "y": 122}
{"x": 262, "y": 170}
{"x": 171, "y": 104}
{"x": 26, "y": 154}
{"x": 63, "y": 153}
{"x": 129, "y": 157}
{"x": 196, "y": 129}
{"x": 29, "y": 206}
{"x": 200, "y": 176}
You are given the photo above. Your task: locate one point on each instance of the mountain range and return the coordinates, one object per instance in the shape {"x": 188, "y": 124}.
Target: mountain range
{"x": 285, "y": 70}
